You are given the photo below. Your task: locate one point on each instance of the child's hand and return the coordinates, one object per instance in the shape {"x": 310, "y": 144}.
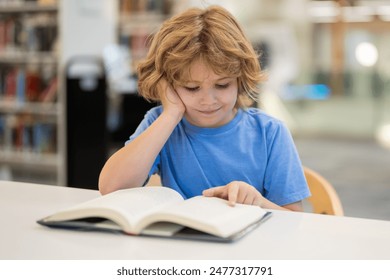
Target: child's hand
{"x": 170, "y": 100}
{"x": 236, "y": 192}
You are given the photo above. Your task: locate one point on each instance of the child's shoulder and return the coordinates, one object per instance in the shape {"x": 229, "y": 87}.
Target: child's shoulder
{"x": 154, "y": 112}
{"x": 264, "y": 118}
{"x": 269, "y": 125}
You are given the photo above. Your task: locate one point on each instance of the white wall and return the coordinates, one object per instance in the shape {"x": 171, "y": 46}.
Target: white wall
{"x": 87, "y": 26}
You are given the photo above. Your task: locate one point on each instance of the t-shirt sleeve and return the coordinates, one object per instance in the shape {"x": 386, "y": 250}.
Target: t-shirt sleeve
{"x": 149, "y": 118}
{"x": 284, "y": 181}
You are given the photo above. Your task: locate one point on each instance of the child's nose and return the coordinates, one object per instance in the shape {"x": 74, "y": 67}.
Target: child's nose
{"x": 208, "y": 97}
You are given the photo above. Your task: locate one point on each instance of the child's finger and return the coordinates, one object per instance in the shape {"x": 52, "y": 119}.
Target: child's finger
{"x": 233, "y": 194}
{"x": 216, "y": 191}
{"x": 208, "y": 192}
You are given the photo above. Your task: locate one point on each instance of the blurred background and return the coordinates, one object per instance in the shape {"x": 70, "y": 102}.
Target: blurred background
{"x": 68, "y": 94}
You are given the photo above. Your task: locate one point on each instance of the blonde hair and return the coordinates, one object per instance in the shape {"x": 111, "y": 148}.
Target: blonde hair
{"x": 212, "y": 35}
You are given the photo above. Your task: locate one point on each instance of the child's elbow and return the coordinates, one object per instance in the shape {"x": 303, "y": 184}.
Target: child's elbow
{"x": 103, "y": 190}
{"x": 104, "y": 185}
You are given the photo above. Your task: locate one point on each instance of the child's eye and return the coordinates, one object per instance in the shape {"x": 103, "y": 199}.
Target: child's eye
{"x": 192, "y": 89}
{"x": 222, "y": 86}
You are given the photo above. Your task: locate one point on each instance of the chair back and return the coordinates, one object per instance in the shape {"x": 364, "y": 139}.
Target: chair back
{"x": 324, "y": 198}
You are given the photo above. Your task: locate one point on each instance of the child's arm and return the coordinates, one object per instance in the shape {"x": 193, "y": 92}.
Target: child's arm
{"x": 241, "y": 192}
{"x": 130, "y": 166}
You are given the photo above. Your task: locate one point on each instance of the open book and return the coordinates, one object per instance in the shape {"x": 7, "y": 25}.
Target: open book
{"x": 161, "y": 211}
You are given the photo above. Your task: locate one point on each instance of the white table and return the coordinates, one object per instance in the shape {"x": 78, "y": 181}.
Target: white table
{"x": 286, "y": 235}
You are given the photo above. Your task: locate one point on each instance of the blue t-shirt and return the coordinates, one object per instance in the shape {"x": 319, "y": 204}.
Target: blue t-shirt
{"x": 253, "y": 147}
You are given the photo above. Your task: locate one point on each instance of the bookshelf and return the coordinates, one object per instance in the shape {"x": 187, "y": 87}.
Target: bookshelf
{"x": 29, "y": 108}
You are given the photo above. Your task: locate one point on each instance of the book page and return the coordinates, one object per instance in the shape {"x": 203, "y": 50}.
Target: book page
{"x": 209, "y": 214}
{"x": 124, "y": 207}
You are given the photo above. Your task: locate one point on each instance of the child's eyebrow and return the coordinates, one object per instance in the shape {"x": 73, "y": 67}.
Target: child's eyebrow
{"x": 224, "y": 78}
{"x": 217, "y": 80}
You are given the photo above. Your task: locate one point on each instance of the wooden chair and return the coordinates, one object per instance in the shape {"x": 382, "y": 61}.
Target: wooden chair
{"x": 324, "y": 198}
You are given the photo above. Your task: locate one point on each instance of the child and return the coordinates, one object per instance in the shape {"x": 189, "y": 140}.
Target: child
{"x": 202, "y": 140}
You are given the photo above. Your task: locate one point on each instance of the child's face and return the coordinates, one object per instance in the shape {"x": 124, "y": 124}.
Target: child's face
{"x": 209, "y": 98}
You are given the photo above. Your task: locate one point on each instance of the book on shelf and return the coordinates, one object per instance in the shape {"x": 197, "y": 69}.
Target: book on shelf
{"x": 49, "y": 94}
{"x": 10, "y": 84}
{"x": 25, "y": 85}
{"x": 26, "y": 134}
{"x": 2, "y": 131}
{"x": 17, "y": 135}
{"x": 44, "y": 138}
{"x": 145, "y": 6}
{"x": 33, "y": 85}
{"x": 20, "y": 85}
{"x": 161, "y": 212}
{"x": 28, "y": 33}
{"x": 7, "y": 33}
